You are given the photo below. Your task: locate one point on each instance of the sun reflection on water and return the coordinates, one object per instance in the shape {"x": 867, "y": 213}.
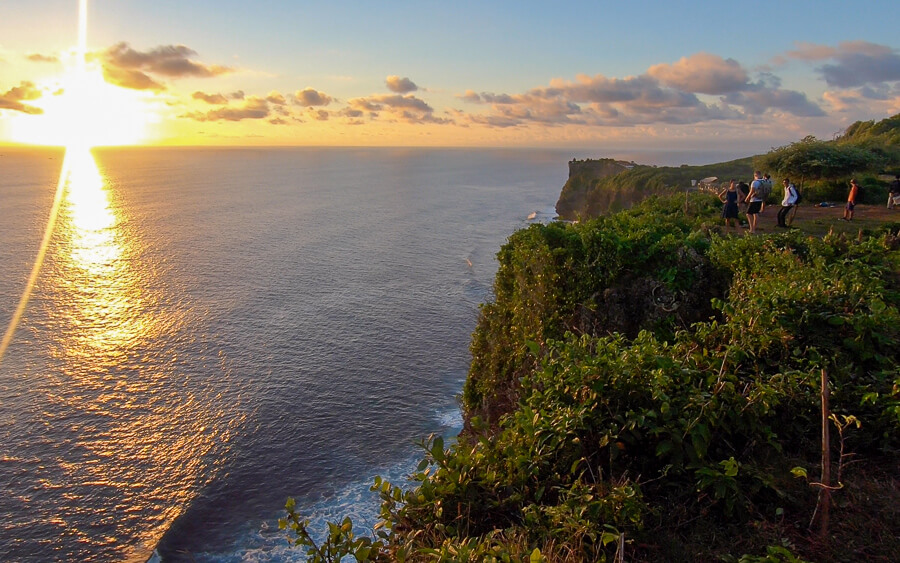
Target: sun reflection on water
{"x": 141, "y": 431}
{"x": 106, "y": 290}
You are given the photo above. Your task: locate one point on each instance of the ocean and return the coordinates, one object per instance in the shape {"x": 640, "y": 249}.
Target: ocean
{"x": 215, "y": 330}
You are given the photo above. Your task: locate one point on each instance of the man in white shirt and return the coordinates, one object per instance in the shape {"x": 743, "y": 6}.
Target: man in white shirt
{"x": 790, "y": 198}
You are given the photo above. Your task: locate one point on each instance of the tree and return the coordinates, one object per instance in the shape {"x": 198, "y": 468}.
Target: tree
{"x": 811, "y": 159}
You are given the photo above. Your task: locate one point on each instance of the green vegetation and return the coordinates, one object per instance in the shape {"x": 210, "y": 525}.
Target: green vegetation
{"x": 822, "y": 169}
{"x": 645, "y": 389}
{"x": 583, "y": 198}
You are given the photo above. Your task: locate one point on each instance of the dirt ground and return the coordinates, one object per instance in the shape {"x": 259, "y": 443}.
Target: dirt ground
{"x": 819, "y": 220}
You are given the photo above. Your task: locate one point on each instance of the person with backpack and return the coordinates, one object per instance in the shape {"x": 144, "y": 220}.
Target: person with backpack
{"x": 894, "y": 195}
{"x": 767, "y": 186}
{"x": 754, "y": 201}
{"x": 790, "y": 198}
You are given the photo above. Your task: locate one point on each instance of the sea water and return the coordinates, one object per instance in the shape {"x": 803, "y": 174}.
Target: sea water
{"x": 216, "y": 330}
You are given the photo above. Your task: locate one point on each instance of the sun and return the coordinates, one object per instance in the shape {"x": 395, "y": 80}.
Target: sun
{"x": 85, "y": 110}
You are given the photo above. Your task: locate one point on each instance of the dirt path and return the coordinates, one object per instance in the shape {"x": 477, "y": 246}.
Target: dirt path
{"x": 819, "y": 220}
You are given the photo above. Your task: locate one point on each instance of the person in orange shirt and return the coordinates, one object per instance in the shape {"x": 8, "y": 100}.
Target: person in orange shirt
{"x": 851, "y": 201}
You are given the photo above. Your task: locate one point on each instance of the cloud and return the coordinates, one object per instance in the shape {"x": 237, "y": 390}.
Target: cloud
{"x": 38, "y": 58}
{"x": 217, "y": 99}
{"x": 701, "y": 73}
{"x": 882, "y": 99}
{"x": 757, "y": 102}
{"x": 276, "y": 98}
{"x": 408, "y": 108}
{"x": 253, "y": 108}
{"x": 139, "y": 70}
{"x": 318, "y": 114}
{"x": 309, "y": 97}
{"x": 665, "y": 94}
{"x": 26, "y": 91}
{"x": 351, "y": 113}
{"x": 239, "y": 95}
{"x": 811, "y": 52}
{"x": 132, "y": 79}
{"x": 486, "y": 98}
{"x": 852, "y": 63}
{"x": 857, "y": 69}
{"x": 400, "y": 85}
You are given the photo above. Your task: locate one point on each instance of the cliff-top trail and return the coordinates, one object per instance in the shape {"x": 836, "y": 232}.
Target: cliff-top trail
{"x": 819, "y": 220}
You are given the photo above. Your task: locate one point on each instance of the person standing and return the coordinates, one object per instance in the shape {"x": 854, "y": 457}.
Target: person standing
{"x": 894, "y": 192}
{"x": 743, "y": 192}
{"x": 790, "y": 198}
{"x": 767, "y": 189}
{"x": 851, "y": 201}
{"x": 729, "y": 196}
{"x": 754, "y": 201}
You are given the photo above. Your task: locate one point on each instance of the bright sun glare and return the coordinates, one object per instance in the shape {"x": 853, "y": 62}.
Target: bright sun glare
{"x": 87, "y": 111}
{"x": 84, "y": 110}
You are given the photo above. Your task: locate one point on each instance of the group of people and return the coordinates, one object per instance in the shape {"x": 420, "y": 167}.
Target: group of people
{"x": 754, "y": 196}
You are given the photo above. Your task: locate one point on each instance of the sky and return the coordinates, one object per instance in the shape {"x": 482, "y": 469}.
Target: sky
{"x": 588, "y": 75}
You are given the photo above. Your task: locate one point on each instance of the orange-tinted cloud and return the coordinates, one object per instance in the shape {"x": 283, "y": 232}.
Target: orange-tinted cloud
{"x": 216, "y": 99}
{"x": 253, "y": 108}
{"x": 309, "y": 97}
{"x": 276, "y": 98}
{"x": 139, "y": 70}
{"x": 666, "y": 94}
{"x": 852, "y": 63}
{"x": 38, "y": 58}
{"x": 400, "y": 85}
{"x": 408, "y": 108}
{"x": 13, "y": 98}
{"x": 702, "y": 73}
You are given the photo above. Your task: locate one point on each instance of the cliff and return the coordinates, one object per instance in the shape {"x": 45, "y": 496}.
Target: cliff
{"x": 583, "y": 175}
{"x": 598, "y": 187}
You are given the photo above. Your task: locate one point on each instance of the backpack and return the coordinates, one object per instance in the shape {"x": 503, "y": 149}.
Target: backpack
{"x": 799, "y": 195}
{"x": 765, "y": 188}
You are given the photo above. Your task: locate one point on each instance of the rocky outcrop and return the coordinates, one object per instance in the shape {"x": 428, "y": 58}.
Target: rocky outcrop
{"x": 583, "y": 174}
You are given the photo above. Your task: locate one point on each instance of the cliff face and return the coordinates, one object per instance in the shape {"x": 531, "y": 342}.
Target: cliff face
{"x": 599, "y": 187}
{"x": 583, "y": 175}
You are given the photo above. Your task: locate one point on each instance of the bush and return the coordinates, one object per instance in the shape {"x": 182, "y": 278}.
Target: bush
{"x": 675, "y": 441}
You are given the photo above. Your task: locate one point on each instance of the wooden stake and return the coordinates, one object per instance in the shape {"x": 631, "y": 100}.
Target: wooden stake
{"x": 824, "y": 504}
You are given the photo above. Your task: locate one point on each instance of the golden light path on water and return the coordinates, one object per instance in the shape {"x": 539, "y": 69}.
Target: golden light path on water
{"x": 130, "y": 437}
{"x": 143, "y": 433}
{"x": 104, "y": 289}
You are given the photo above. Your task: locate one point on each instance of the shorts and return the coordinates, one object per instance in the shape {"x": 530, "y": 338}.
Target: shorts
{"x": 754, "y": 207}
{"x": 850, "y": 206}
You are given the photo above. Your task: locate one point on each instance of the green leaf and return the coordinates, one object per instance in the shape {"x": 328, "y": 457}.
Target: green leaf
{"x": 536, "y": 556}
{"x": 731, "y": 467}
{"x": 799, "y": 472}
{"x": 607, "y": 538}
{"x": 664, "y": 447}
